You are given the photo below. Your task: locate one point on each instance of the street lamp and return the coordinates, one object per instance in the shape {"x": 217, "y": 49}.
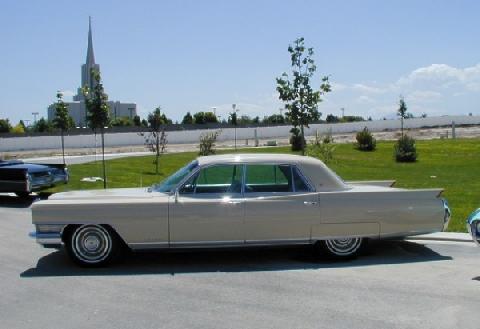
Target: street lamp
{"x": 35, "y": 114}
{"x": 233, "y": 117}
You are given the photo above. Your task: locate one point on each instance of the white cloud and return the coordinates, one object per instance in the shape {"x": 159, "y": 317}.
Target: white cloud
{"x": 367, "y": 89}
{"x": 424, "y": 96}
{"x": 365, "y": 99}
{"x": 436, "y": 89}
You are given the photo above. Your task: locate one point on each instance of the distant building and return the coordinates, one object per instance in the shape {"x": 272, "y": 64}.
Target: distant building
{"x": 77, "y": 108}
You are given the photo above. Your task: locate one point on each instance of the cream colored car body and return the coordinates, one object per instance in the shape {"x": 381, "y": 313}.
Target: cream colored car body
{"x": 332, "y": 209}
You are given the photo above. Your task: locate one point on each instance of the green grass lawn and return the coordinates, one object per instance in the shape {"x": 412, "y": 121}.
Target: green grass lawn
{"x": 451, "y": 164}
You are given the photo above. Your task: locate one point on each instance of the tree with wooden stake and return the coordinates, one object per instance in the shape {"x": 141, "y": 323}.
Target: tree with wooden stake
{"x": 98, "y": 114}
{"x": 156, "y": 139}
{"x": 62, "y": 120}
{"x": 301, "y": 100}
{"x": 402, "y": 111}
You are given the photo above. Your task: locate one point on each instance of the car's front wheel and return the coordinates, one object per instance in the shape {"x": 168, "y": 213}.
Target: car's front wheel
{"x": 344, "y": 248}
{"x": 93, "y": 245}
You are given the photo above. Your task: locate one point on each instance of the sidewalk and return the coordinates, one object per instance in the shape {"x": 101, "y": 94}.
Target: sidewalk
{"x": 443, "y": 236}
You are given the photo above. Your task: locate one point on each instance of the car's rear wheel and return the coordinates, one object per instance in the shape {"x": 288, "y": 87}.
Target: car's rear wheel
{"x": 93, "y": 245}
{"x": 344, "y": 248}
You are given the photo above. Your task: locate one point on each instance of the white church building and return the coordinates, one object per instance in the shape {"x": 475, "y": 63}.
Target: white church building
{"x": 77, "y": 108}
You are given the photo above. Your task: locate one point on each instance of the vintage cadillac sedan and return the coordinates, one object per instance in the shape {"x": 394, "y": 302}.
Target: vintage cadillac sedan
{"x": 237, "y": 200}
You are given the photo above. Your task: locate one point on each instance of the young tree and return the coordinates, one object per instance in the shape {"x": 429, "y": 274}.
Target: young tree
{"x": 61, "y": 120}
{"x": 402, "y": 111}
{"x": 156, "y": 140}
{"x": 301, "y": 100}
{"x": 98, "y": 114}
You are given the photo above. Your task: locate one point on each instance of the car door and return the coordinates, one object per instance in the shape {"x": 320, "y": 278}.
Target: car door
{"x": 280, "y": 206}
{"x": 209, "y": 208}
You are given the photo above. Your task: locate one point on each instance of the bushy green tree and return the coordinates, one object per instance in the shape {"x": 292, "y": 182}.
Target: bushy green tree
{"x": 122, "y": 122}
{"x": 301, "y": 100}
{"x": 42, "y": 125}
{"x": 204, "y": 117}
{"x": 5, "y": 126}
{"x": 98, "y": 113}
{"x": 274, "y": 119}
{"x": 187, "y": 119}
{"x": 136, "y": 121}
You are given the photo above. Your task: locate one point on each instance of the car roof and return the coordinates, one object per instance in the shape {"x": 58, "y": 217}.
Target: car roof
{"x": 253, "y": 158}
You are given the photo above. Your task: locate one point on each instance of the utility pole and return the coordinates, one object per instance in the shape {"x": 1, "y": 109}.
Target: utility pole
{"x": 343, "y": 112}
{"x": 235, "y": 110}
{"x": 35, "y": 114}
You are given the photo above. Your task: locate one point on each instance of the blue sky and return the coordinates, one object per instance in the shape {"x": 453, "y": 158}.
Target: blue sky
{"x": 195, "y": 55}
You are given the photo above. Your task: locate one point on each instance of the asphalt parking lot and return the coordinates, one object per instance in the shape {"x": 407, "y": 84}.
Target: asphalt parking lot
{"x": 396, "y": 284}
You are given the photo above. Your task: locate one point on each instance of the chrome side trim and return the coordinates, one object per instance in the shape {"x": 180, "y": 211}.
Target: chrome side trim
{"x": 148, "y": 245}
{"x": 277, "y": 242}
{"x": 45, "y": 239}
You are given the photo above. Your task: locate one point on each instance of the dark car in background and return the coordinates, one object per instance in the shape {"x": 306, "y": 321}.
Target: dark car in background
{"x": 24, "y": 178}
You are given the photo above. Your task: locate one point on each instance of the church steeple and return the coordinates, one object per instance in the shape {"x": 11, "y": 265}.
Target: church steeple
{"x": 90, "y": 64}
{"x": 90, "y": 55}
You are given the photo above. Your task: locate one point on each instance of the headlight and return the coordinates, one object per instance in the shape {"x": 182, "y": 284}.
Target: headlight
{"x": 49, "y": 228}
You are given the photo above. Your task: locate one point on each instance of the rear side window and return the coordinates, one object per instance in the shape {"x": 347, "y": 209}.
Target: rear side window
{"x": 268, "y": 178}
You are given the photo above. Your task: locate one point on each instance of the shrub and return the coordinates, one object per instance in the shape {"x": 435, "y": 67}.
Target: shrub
{"x": 207, "y": 142}
{"x": 365, "y": 140}
{"x": 322, "y": 148}
{"x": 296, "y": 140}
{"x": 328, "y": 137}
{"x": 405, "y": 149}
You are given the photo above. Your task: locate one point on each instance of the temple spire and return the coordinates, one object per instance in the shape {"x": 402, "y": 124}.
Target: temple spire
{"x": 90, "y": 56}
{"x": 90, "y": 64}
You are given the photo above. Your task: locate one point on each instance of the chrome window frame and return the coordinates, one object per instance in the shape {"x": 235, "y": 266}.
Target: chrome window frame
{"x": 244, "y": 165}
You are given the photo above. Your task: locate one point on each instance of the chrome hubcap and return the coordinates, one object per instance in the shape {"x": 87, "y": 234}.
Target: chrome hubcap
{"x": 91, "y": 243}
{"x": 343, "y": 247}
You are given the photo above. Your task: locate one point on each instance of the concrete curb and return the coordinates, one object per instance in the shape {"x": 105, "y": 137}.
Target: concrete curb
{"x": 443, "y": 236}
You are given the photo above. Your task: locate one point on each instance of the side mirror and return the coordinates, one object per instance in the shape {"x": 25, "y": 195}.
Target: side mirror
{"x": 176, "y": 195}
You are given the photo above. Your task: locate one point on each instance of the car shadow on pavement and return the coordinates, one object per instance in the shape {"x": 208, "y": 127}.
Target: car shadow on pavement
{"x": 13, "y": 201}
{"x": 239, "y": 260}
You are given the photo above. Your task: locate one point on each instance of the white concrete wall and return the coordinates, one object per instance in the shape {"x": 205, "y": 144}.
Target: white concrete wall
{"x": 192, "y": 136}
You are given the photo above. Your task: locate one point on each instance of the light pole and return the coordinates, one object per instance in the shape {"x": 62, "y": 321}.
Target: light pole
{"x": 343, "y": 112}
{"x": 233, "y": 117}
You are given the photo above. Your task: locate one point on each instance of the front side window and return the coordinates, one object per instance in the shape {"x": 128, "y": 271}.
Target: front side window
{"x": 221, "y": 179}
{"x": 171, "y": 182}
{"x": 268, "y": 178}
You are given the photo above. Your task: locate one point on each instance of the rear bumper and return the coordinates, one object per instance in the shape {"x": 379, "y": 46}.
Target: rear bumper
{"x": 447, "y": 215}
{"x": 48, "y": 240}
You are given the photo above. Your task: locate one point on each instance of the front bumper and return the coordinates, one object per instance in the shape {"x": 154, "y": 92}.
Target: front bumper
{"x": 48, "y": 240}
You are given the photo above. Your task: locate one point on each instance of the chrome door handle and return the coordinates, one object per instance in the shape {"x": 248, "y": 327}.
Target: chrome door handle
{"x": 235, "y": 202}
{"x": 309, "y": 203}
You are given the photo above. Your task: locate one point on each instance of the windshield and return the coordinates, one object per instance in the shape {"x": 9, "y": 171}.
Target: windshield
{"x": 172, "y": 181}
